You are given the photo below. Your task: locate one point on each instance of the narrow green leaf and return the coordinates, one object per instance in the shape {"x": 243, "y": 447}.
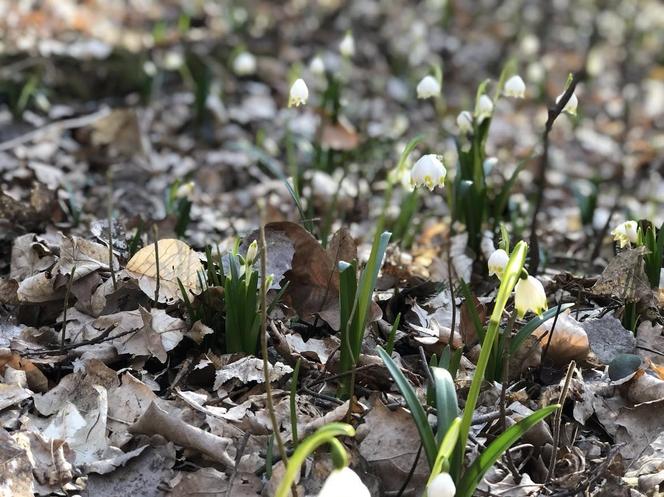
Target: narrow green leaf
{"x": 445, "y": 449}
{"x": 416, "y": 410}
{"x": 496, "y": 449}
{"x": 447, "y": 405}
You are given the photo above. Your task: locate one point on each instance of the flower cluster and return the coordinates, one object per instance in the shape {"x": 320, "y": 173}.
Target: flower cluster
{"x": 529, "y": 294}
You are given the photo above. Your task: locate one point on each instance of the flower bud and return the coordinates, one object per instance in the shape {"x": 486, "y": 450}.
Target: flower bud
{"x": 515, "y": 87}
{"x": 497, "y": 263}
{"x": 252, "y": 252}
{"x": 428, "y": 171}
{"x": 571, "y": 105}
{"x": 626, "y": 233}
{"x": 299, "y": 93}
{"x": 441, "y": 486}
{"x": 244, "y": 64}
{"x": 465, "y": 122}
{"x": 428, "y": 87}
{"x": 529, "y": 296}
{"x": 317, "y": 66}
{"x": 344, "y": 483}
{"x": 484, "y": 108}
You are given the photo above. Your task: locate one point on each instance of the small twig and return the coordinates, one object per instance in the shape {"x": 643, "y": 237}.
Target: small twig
{"x": 104, "y": 337}
{"x": 238, "y": 456}
{"x": 266, "y": 364}
{"x": 410, "y": 473}
{"x": 558, "y": 420}
{"x": 507, "y": 334}
{"x": 66, "y": 304}
{"x": 156, "y": 260}
{"x": 553, "y": 329}
{"x": 425, "y": 365}
{"x": 109, "y": 177}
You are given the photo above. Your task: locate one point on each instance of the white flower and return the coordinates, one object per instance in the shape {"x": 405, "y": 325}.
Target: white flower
{"x": 465, "y": 121}
{"x": 299, "y": 93}
{"x": 626, "y": 233}
{"x": 428, "y": 171}
{"x": 428, "y": 87}
{"x": 244, "y": 64}
{"x": 515, "y": 87}
{"x": 344, "y": 483}
{"x": 185, "y": 190}
{"x": 441, "y": 486}
{"x": 571, "y": 105}
{"x": 317, "y": 66}
{"x": 347, "y": 45}
{"x": 484, "y": 108}
{"x": 497, "y": 263}
{"x": 529, "y": 296}
{"x": 252, "y": 252}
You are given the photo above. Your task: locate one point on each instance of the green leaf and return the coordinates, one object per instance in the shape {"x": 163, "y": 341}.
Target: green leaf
{"x": 445, "y": 449}
{"x": 532, "y": 325}
{"x": 416, "y": 410}
{"x": 446, "y": 400}
{"x": 496, "y": 449}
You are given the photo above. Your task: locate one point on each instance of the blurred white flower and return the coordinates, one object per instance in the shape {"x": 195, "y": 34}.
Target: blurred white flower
{"x": 347, "y": 45}
{"x": 626, "y": 233}
{"x": 344, "y": 483}
{"x": 244, "y": 64}
{"x": 515, "y": 87}
{"x": 497, "y": 263}
{"x": 441, "y": 486}
{"x": 428, "y": 171}
{"x": 465, "y": 121}
{"x": 185, "y": 190}
{"x": 317, "y": 66}
{"x": 571, "y": 105}
{"x": 299, "y": 93}
{"x": 484, "y": 108}
{"x": 529, "y": 296}
{"x": 428, "y": 87}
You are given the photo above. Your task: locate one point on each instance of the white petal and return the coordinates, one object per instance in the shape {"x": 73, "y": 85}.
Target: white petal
{"x": 428, "y": 87}
{"x": 299, "y": 93}
{"x": 515, "y": 87}
{"x": 344, "y": 483}
{"x": 497, "y": 262}
{"x": 441, "y": 486}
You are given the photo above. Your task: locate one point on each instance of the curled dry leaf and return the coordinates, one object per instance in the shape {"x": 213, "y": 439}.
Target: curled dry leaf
{"x": 177, "y": 261}
{"x": 568, "y": 341}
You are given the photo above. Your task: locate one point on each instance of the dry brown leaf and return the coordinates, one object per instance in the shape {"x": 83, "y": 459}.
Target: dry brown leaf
{"x": 568, "y": 342}
{"x": 36, "y": 379}
{"x": 625, "y": 278}
{"x": 339, "y": 136}
{"x": 466, "y": 324}
{"x": 177, "y": 261}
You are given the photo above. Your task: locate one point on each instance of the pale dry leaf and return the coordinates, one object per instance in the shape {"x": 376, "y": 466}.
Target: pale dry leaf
{"x": 17, "y": 479}
{"x": 568, "y": 341}
{"x": 177, "y": 261}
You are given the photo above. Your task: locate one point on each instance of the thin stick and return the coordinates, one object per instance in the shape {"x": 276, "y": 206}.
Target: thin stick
{"x": 67, "y": 293}
{"x": 503, "y": 390}
{"x": 109, "y": 177}
{"x": 558, "y": 420}
{"x": 156, "y": 260}
{"x": 410, "y": 473}
{"x": 266, "y": 364}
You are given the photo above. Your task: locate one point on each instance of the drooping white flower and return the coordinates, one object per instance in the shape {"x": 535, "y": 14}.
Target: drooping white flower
{"x": 529, "y": 296}
{"x": 299, "y": 93}
{"x": 465, "y": 121}
{"x": 185, "y": 190}
{"x": 317, "y": 66}
{"x": 626, "y": 233}
{"x": 428, "y": 171}
{"x": 484, "y": 108}
{"x": 347, "y": 45}
{"x": 497, "y": 263}
{"x": 571, "y": 105}
{"x": 244, "y": 64}
{"x": 441, "y": 486}
{"x": 515, "y": 87}
{"x": 252, "y": 252}
{"x": 428, "y": 87}
{"x": 344, "y": 483}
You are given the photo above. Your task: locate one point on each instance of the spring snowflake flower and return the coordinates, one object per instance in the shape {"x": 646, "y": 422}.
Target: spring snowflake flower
{"x": 317, "y": 66}
{"x": 347, "y": 45}
{"x": 428, "y": 171}
{"x": 344, "y": 483}
{"x": 428, "y": 87}
{"x": 529, "y": 296}
{"x": 441, "y": 486}
{"x": 497, "y": 263}
{"x": 626, "y": 233}
{"x": 299, "y": 93}
{"x": 252, "y": 252}
{"x": 244, "y": 64}
{"x": 571, "y": 105}
{"x": 484, "y": 108}
{"x": 515, "y": 87}
{"x": 185, "y": 190}
{"x": 465, "y": 122}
